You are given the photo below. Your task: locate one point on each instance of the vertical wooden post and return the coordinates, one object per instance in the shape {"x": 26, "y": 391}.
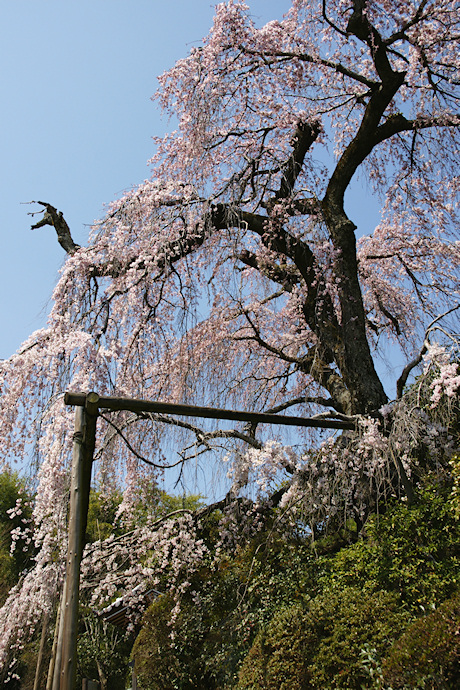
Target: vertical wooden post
{"x": 56, "y": 661}
{"x": 82, "y": 457}
{"x": 39, "y": 666}
{"x": 53, "y": 660}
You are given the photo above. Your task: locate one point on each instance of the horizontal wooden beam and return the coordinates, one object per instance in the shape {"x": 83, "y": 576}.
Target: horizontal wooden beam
{"x": 93, "y": 402}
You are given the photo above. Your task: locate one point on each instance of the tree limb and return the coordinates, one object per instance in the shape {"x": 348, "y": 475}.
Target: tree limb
{"x": 401, "y": 382}
{"x": 55, "y": 218}
{"x": 304, "y": 137}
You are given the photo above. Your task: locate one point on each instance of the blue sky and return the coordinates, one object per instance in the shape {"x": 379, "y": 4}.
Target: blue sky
{"x": 76, "y": 122}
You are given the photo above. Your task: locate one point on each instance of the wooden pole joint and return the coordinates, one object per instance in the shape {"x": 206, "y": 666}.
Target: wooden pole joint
{"x": 92, "y": 404}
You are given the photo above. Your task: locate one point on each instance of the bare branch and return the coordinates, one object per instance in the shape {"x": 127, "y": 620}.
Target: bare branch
{"x": 283, "y": 55}
{"x": 401, "y": 382}
{"x": 303, "y": 139}
{"x": 55, "y": 218}
{"x": 133, "y": 451}
{"x": 331, "y": 24}
{"x": 203, "y": 436}
{"x": 303, "y": 400}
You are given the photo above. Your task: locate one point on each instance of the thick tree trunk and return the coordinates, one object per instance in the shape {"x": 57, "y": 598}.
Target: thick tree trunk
{"x": 354, "y": 358}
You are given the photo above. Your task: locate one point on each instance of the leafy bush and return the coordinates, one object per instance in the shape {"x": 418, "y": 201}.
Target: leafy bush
{"x": 427, "y": 655}
{"x": 455, "y": 494}
{"x": 320, "y": 647}
{"x": 277, "y": 659}
{"x": 102, "y": 516}
{"x": 411, "y": 550}
{"x": 279, "y": 613}
{"x": 15, "y": 496}
{"x": 158, "y": 665}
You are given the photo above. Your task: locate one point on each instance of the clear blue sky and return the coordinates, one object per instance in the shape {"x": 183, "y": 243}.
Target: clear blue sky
{"x": 76, "y": 123}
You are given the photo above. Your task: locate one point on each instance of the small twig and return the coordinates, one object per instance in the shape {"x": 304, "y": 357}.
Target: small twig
{"x": 331, "y": 24}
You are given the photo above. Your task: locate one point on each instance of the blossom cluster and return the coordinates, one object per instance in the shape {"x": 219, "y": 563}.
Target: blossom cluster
{"x": 446, "y": 379}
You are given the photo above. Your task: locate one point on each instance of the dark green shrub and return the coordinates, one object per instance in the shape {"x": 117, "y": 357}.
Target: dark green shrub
{"x": 320, "y": 647}
{"x": 161, "y": 660}
{"x": 154, "y": 661}
{"x": 346, "y": 622}
{"x": 427, "y": 655}
{"x": 277, "y": 659}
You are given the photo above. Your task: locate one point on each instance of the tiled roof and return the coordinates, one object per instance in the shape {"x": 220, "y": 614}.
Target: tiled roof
{"x": 118, "y": 612}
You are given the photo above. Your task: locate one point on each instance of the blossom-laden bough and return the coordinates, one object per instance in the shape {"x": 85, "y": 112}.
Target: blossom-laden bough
{"x": 235, "y": 277}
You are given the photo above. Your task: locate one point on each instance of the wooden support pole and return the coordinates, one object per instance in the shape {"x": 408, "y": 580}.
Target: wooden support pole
{"x": 56, "y": 644}
{"x": 82, "y": 456}
{"x": 75, "y": 549}
{"x": 41, "y": 651}
{"x": 133, "y": 405}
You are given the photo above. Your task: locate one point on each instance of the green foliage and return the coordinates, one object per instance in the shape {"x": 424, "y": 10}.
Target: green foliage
{"x": 428, "y": 653}
{"x": 8, "y": 575}
{"x": 154, "y": 502}
{"x": 203, "y": 643}
{"x": 158, "y": 663}
{"x": 411, "y": 550}
{"x": 344, "y": 622}
{"x": 275, "y": 572}
{"x": 455, "y": 493}
{"x": 241, "y": 597}
{"x": 103, "y": 519}
{"x": 319, "y": 647}
{"x": 277, "y": 659}
{"x": 166, "y": 503}
{"x": 103, "y": 652}
{"x": 11, "y": 488}
{"x": 27, "y": 664}
{"x": 283, "y": 613}
{"x": 219, "y": 615}
{"x": 102, "y": 516}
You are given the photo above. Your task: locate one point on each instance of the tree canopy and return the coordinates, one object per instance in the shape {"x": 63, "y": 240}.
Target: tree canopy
{"x": 236, "y": 276}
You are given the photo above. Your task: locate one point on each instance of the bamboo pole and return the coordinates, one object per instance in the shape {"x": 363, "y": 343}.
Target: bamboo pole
{"x": 54, "y": 651}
